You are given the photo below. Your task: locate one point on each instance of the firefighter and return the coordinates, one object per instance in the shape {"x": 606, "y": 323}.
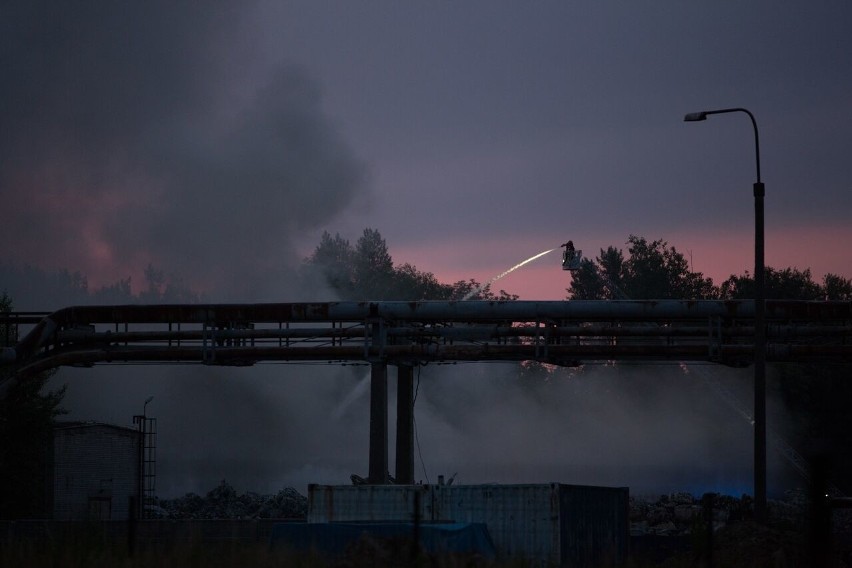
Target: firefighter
{"x": 568, "y": 255}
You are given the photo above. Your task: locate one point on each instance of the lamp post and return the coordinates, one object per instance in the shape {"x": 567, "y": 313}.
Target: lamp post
{"x": 759, "y": 324}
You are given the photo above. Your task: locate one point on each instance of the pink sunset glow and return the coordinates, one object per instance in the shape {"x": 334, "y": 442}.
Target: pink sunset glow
{"x": 821, "y": 249}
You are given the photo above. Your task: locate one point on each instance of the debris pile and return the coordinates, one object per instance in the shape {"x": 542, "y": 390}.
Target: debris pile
{"x": 679, "y": 514}
{"x": 223, "y": 502}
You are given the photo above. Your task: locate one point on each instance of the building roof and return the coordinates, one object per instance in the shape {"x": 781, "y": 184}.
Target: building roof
{"x": 69, "y": 424}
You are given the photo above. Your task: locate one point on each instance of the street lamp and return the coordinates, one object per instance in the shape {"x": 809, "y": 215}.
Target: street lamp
{"x": 759, "y": 324}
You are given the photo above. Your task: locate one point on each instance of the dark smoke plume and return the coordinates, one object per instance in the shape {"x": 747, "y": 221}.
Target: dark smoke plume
{"x": 137, "y": 133}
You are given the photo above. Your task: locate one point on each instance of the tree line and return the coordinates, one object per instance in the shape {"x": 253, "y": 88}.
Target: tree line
{"x": 648, "y": 270}
{"x": 655, "y": 270}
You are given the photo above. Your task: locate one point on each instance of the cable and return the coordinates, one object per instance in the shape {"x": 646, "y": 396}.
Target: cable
{"x": 417, "y": 388}
{"x": 414, "y": 420}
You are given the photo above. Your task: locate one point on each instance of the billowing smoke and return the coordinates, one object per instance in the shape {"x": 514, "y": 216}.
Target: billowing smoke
{"x": 137, "y": 133}
{"x": 261, "y": 428}
{"x": 653, "y": 428}
{"x": 159, "y": 133}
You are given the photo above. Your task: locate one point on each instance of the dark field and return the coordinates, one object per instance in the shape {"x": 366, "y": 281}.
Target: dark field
{"x": 738, "y": 544}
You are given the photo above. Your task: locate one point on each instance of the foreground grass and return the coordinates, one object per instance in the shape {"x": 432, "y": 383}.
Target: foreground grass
{"x": 219, "y": 555}
{"x": 738, "y": 545}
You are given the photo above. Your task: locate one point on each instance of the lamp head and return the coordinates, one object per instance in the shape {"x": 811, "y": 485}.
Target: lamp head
{"x": 695, "y": 116}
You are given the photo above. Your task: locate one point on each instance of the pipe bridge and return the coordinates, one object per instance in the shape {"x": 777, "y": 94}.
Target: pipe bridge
{"x": 406, "y": 334}
{"x": 559, "y": 333}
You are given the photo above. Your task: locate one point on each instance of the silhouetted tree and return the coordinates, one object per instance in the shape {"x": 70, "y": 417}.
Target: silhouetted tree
{"x": 334, "y": 259}
{"x": 373, "y": 266}
{"x": 163, "y": 289}
{"x": 26, "y": 431}
{"x": 589, "y": 282}
{"x": 471, "y": 289}
{"x": 411, "y": 284}
{"x": 836, "y": 287}
{"x": 786, "y": 284}
{"x": 367, "y": 272}
{"x": 652, "y": 270}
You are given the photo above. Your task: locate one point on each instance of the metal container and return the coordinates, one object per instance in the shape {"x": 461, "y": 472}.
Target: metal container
{"x": 549, "y": 524}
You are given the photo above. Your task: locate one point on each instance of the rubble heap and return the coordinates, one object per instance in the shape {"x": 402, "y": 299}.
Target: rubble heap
{"x": 679, "y": 514}
{"x": 223, "y": 502}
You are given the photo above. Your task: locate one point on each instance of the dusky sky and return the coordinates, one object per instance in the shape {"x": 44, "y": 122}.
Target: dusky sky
{"x": 218, "y": 140}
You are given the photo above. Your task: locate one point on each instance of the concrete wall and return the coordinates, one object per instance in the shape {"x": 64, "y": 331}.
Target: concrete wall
{"x": 95, "y": 471}
{"x": 552, "y": 524}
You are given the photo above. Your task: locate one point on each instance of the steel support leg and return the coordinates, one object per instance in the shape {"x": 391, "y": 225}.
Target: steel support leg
{"x": 378, "y": 424}
{"x": 405, "y": 425}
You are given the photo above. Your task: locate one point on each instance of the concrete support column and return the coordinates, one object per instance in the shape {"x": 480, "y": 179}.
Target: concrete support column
{"x": 378, "y": 424}
{"x": 405, "y": 425}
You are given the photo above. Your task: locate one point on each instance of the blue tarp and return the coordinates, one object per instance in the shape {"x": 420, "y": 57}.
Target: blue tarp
{"x": 333, "y": 538}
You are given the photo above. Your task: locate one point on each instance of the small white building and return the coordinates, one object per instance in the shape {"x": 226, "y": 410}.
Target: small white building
{"x": 95, "y": 471}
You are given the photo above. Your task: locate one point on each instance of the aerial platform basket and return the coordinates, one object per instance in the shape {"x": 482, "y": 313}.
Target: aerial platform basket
{"x": 571, "y": 259}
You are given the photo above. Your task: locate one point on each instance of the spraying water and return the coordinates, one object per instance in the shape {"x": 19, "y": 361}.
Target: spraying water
{"x": 472, "y": 293}
{"x": 350, "y": 399}
{"x": 363, "y": 385}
